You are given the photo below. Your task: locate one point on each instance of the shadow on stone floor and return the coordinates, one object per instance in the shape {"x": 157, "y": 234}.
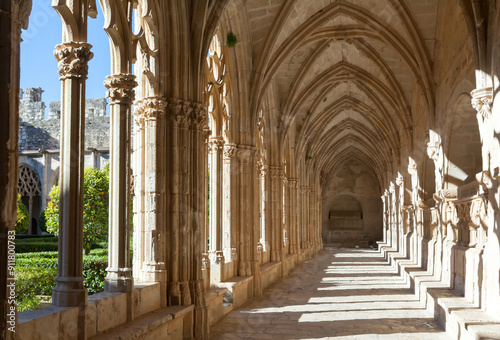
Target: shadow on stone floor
{"x": 362, "y": 298}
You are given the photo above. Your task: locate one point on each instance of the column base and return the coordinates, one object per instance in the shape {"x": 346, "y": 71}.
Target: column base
{"x": 69, "y": 292}
{"x": 118, "y": 284}
{"x": 216, "y": 266}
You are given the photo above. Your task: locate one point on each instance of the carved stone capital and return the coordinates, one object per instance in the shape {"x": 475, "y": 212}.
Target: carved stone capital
{"x": 399, "y": 180}
{"x": 179, "y": 112}
{"x": 433, "y": 150}
{"x": 150, "y": 108}
{"x": 412, "y": 168}
{"x": 294, "y": 182}
{"x": 229, "y": 150}
{"x": 120, "y": 88}
{"x": 200, "y": 114}
{"x": 275, "y": 172}
{"x": 392, "y": 188}
{"x": 481, "y": 101}
{"x": 72, "y": 59}
{"x": 216, "y": 144}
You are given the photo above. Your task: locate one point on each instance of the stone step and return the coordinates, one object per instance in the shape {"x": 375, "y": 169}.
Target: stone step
{"x": 163, "y": 323}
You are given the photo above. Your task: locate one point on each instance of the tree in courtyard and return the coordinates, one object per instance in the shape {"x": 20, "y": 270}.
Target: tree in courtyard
{"x": 96, "y": 207}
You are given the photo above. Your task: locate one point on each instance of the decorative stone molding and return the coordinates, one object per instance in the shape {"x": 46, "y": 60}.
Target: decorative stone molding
{"x": 216, "y": 144}
{"x": 433, "y": 150}
{"x": 216, "y": 257}
{"x": 205, "y": 261}
{"x": 150, "y": 108}
{"x": 275, "y": 172}
{"x": 399, "y": 180}
{"x": 199, "y": 116}
{"x": 392, "y": 188}
{"x": 481, "y": 101}
{"x": 120, "y": 88}
{"x": 229, "y": 151}
{"x": 72, "y": 59}
{"x": 23, "y": 12}
{"x": 294, "y": 182}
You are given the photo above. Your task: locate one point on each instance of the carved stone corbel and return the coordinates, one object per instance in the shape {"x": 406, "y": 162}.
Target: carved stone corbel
{"x": 481, "y": 101}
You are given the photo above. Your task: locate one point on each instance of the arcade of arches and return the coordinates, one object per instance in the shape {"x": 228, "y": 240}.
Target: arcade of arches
{"x": 351, "y": 123}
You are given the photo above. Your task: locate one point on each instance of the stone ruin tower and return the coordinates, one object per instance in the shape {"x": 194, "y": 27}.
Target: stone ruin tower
{"x": 31, "y": 107}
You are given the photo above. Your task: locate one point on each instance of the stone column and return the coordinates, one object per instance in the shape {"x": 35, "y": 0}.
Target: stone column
{"x": 286, "y": 216}
{"x": 255, "y": 228}
{"x": 150, "y": 113}
{"x": 294, "y": 227}
{"x": 312, "y": 218}
{"x": 486, "y": 104}
{"x": 216, "y": 147}
{"x": 120, "y": 94}
{"x": 399, "y": 212}
{"x": 393, "y": 214}
{"x": 72, "y": 60}
{"x": 13, "y": 17}
{"x": 276, "y": 213}
{"x": 230, "y": 209}
{"x": 305, "y": 217}
{"x": 246, "y": 241}
{"x": 265, "y": 210}
{"x": 319, "y": 225}
{"x": 481, "y": 101}
{"x": 198, "y": 125}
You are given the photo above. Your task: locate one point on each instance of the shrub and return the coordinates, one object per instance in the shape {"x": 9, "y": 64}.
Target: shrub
{"x": 35, "y": 273}
{"x": 96, "y": 205}
{"x": 42, "y": 222}
{"x": 23, "y": 217}
{"x": 51, "y": 239}
{"x": 31, "y": 247}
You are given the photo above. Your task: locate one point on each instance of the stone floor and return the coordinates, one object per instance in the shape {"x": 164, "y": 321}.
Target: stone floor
{"x": 340, "y": 294}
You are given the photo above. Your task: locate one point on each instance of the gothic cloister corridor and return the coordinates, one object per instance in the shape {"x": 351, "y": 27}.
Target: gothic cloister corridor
{"x": 340, "y": 294}
{"x": 288, "y": 169}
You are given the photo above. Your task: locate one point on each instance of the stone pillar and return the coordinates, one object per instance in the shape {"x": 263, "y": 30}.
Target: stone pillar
{"x": 72, "y": 60}
{"x": 305, "y": 217}
{"x": 276, "y": 209}
{"x": 399, "y": 212}
{"x": 120, "y": 94}
{"x": 255, "y": 196}
{"x": 216, "y": 147}
{"x": 312, "y": 219}
{"x": 486, "y": 104}
{"x": 13, "y": 17}
{"x": 265, "y": 210}
{"x": 294, "y": 225}
{"x": 393, "y": 214}
{"x": 150, "y": 233}
{"x": 246, "y": 240}
{"x": 199, "y": 169}
{"x": 286, "y": 216}
{"x": 319, "y": 225}
{"x": 230, "y": 210}
{"x": 481, "y": 101}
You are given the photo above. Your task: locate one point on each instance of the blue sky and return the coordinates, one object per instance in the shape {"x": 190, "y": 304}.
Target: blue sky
{"x": 38, "y": 65}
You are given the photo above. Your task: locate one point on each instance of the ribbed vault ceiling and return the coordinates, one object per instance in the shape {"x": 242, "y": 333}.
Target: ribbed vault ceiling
{"x": 344, "y": 72}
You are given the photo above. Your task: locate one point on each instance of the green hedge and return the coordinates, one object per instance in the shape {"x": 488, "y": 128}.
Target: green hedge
{"x": 50, "y": 238}
{"x": 44, "y": 245}
{"x": 35, "y": 273}
{"x": 22, "y": 236}
{"x": 32, "y": 247}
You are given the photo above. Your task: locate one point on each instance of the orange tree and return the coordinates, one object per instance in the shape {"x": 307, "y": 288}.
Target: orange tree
{"x": 96, "y": 207}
